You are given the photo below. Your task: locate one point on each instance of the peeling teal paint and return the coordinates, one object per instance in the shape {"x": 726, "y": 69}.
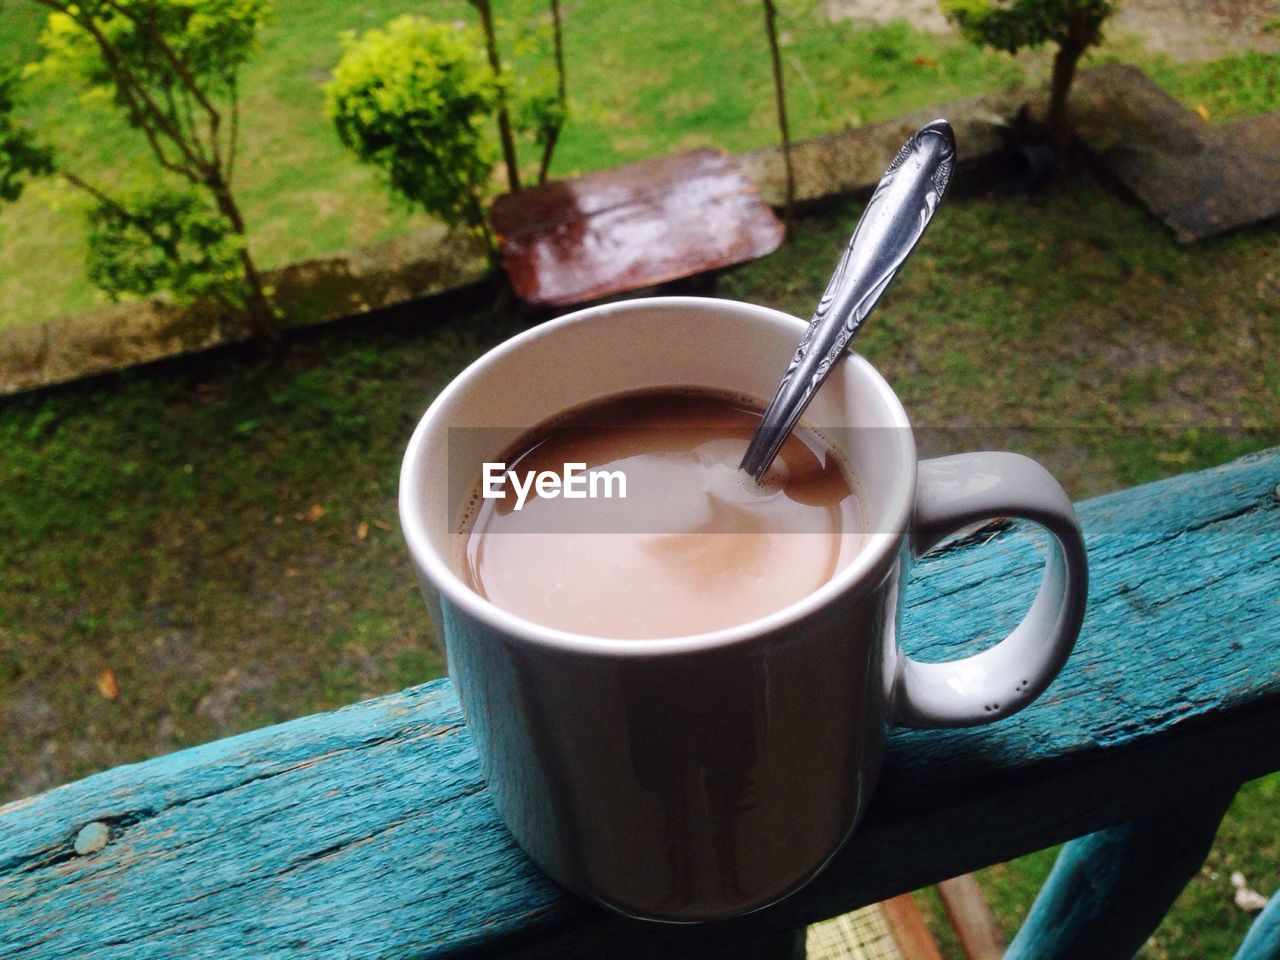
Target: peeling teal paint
{"x": 367, "y": 832}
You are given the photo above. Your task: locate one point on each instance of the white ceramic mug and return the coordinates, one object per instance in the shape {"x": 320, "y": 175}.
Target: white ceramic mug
{"x": 707, "y": 776}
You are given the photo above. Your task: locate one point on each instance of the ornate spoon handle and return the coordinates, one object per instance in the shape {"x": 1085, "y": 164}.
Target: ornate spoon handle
{"x": 890, "y": 228}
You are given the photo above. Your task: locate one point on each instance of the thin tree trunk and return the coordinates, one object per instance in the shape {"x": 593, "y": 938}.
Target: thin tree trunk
{"x": 1080, "y": 34}
{"x": 1059, "y": 119}
{"x": 258, "y": 309}
{"x": 504, "y": 118}
{"x": 771, "y": 28}
{"x": 553, "y": 134}
{"x": 477, "y": 214}
{"x": 548, "y": 147}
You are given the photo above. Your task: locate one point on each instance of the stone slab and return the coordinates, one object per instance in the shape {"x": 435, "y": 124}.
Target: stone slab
{"x": 1260, "y": 136}
{"x": 108, "y": 338}
{"x": 853, "y": 161}
{"x": 1199, "y": 179}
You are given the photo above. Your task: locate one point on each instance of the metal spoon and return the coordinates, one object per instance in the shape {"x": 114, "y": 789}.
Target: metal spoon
{"x": 890, "y": 228}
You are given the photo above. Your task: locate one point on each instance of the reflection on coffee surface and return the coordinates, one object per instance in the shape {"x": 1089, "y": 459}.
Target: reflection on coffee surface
{"x": 629, "y": 518}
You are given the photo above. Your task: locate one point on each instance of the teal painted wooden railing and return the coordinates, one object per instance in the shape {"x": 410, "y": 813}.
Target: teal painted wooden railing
{"x": 367, "y": 832}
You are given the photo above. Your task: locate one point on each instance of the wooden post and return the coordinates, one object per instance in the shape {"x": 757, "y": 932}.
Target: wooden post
{"x": 974, "y": 925}
{"x": 1109, "y": 890}
{"x": 912, "y": 936}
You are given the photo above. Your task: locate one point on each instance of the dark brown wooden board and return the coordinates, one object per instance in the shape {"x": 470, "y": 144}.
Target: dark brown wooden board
{"x": 646, "y": 223}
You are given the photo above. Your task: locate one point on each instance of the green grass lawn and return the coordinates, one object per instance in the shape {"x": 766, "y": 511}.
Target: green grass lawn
{"x": 195, "y": 526}
{"x": 643, "y": 79}
{"x": 223, "y": 538}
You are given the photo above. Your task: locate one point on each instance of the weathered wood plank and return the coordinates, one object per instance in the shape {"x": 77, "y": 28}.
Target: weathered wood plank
{"x": 247, "y": 844}
{"x": 367, "y": 832}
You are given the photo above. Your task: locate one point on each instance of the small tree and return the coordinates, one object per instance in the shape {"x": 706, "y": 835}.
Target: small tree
{"x": 1009, "y": 25}
{"x": 416, "y": 100}
{"x": 171, "y": 67}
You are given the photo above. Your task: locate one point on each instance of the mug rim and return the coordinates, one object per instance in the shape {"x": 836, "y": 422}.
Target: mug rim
{"x": 857, "y": 578}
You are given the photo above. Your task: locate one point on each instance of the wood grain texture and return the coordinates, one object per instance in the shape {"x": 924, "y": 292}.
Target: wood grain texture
{"x": 367, "y": 832}
{"x": 912, "y": 936}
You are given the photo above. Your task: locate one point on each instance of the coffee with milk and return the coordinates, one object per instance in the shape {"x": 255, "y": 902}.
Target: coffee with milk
{"x": 628, "y": 518}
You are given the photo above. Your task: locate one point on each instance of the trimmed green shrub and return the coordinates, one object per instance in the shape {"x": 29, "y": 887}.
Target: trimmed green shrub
{"x": 416, "y": 100}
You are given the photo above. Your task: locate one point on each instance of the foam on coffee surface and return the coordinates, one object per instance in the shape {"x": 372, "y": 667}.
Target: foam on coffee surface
{"x": 697, "y": 544}
{"x": 725, "y": 480}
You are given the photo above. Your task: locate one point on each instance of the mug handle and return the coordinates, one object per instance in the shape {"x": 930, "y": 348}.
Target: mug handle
{"x": 951, "y": 493}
